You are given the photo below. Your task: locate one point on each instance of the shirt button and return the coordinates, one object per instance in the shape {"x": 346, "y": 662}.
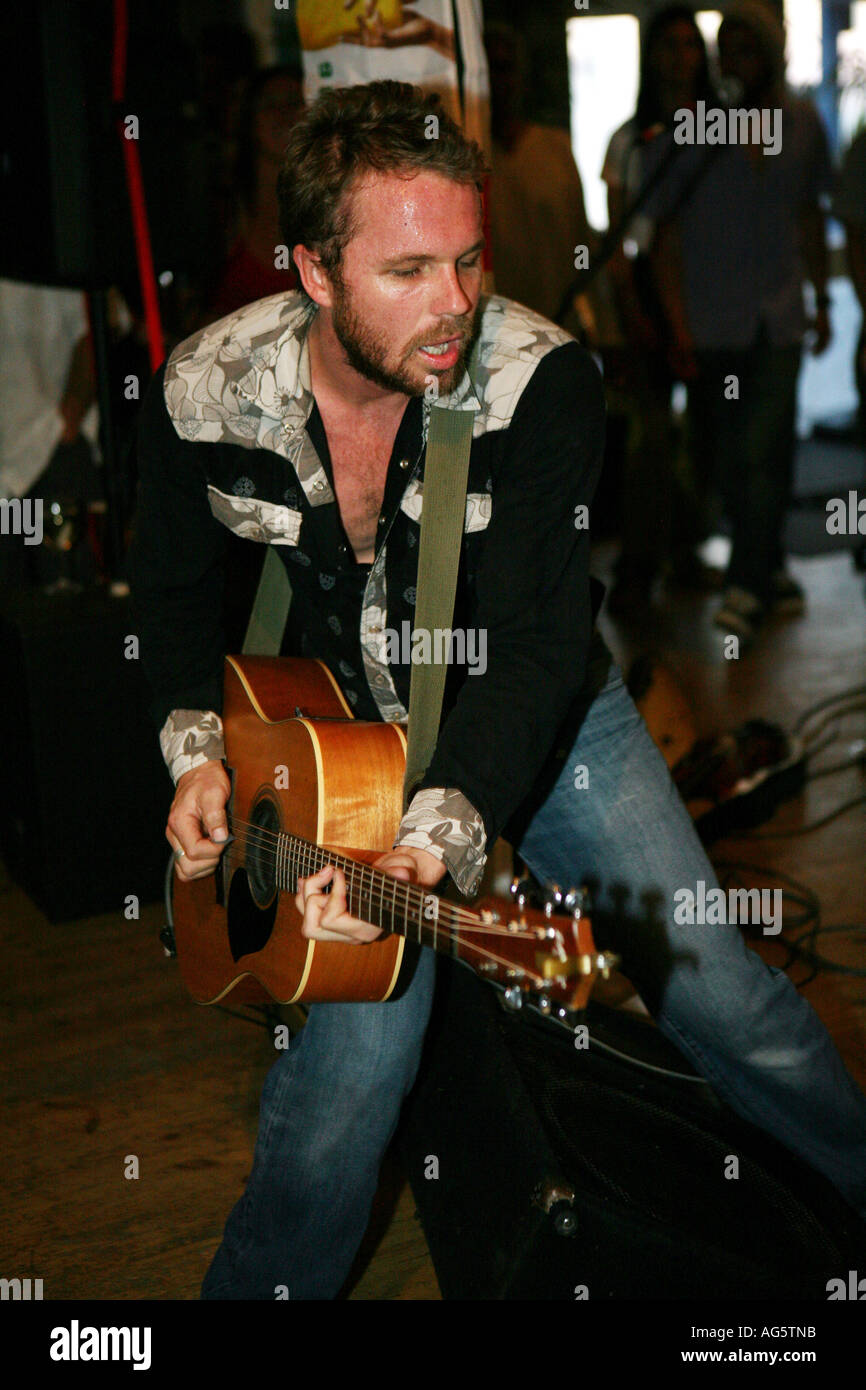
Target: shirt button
{"x": 375, "y": 629}
{"x": 382, "y": 520}
{"x": 379, "y": 680}
{"x": 319, "y": 486}
{"x": 404, "y": 463}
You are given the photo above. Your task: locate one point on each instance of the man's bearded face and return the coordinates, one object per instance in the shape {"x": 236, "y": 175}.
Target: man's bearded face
{"x": 405, "y": 296}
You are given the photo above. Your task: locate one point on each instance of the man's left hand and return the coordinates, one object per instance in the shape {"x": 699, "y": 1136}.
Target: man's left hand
{"x": 325, "y": 909}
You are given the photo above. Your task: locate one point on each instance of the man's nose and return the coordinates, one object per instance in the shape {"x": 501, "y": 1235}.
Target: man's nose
{"x": 450, "y": 297}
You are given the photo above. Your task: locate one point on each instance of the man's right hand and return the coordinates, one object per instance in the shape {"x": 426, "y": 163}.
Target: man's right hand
{"x": 197, "y": 820}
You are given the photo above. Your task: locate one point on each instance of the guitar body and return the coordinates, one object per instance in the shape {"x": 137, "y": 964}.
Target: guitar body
{"x": 312, "y": 786}
{"x": 299, "y": 762}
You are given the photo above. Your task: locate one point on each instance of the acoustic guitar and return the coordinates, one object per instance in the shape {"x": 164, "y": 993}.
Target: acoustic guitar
{"x": 312, "y": 786}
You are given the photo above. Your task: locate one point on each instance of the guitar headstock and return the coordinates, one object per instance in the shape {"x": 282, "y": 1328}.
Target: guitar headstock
{"x": 544, "y": 956}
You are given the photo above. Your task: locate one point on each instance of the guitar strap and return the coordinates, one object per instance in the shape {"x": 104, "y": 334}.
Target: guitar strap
{"x": 267, "y": 624}
{"x": 446, "y": 470}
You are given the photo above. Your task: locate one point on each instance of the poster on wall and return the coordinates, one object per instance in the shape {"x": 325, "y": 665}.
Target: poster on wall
{"x": 350, "y": 41}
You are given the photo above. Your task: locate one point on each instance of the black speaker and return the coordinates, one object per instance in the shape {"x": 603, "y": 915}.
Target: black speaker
{"x": 546, "y": 1171}
{"x": 85, "y": 790}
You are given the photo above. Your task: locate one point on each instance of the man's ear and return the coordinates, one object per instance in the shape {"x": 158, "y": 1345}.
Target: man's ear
{"x": 313, "y": 276}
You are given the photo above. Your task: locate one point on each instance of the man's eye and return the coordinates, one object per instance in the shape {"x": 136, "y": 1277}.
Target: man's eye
{"x": 472, "y": 263}
{"x": 405, "y": 274}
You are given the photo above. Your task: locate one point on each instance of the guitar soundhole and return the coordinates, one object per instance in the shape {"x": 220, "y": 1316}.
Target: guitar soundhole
{"x": 249, "y": 926}
{"x": 253, "y": 898}
{"x": 261, "y": 850}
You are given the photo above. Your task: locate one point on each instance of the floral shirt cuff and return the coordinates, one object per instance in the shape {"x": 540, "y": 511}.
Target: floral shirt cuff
{"x": 190, "y": 737}
{"x": 441, "y": 821}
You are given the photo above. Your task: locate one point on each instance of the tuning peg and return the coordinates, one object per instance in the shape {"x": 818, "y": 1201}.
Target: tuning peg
{"x": 552, "y": 899}
{"x": 577, "y": 902}
{"x": 520, "y": 890}
{"x": 605, "y": 962}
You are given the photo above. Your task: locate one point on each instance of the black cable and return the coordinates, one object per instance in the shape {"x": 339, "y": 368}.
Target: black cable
{"x": 802, "y": 948}
{"x": 801, "y": 830}
{"x": 624, "y": 1056}
{"x": 855, "y": 761}
{"x": 829, "y": 700}
{"x": 798, "y": 893}
{"x": 822, "y": 962}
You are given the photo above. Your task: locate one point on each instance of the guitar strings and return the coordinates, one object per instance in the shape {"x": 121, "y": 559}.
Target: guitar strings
{"x": 377, "y": 877}
{"x": 385, "y": 885}
{"x": 382, "y": 881}
{"x": 443, "y": 932}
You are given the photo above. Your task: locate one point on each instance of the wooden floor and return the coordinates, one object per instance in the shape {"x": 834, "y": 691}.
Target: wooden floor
{"x": 106, "y": 1060}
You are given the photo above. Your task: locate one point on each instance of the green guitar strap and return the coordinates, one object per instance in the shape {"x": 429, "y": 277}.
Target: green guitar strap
{"x": 267, "y": 624}
{"x": 446, "y": 470}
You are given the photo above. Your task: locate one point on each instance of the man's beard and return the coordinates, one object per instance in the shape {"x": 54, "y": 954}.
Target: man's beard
{"x": 367, "y": 351}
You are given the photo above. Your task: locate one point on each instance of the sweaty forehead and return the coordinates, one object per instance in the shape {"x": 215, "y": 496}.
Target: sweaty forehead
{"x": 419, "y": 214}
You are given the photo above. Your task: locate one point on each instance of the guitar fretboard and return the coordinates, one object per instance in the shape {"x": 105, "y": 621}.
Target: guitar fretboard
{"x": 390, "y": 903}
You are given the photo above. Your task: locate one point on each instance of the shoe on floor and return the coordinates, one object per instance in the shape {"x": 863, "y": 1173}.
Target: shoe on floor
{"x": 741, "y": 613}
{"x": 787, "y": 594}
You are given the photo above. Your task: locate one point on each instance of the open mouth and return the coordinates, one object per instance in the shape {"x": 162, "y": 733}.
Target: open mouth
{"x": 442, "y": 355}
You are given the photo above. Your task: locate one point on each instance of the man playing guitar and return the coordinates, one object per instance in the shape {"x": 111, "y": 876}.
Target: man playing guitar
{"x": 301, "y": 421}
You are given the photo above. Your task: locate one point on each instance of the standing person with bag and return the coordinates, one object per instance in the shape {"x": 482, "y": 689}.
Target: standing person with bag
{"x": 730, "y": 263}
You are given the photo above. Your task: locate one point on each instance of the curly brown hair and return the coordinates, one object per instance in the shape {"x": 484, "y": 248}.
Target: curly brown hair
{"x": 350, "y": 131}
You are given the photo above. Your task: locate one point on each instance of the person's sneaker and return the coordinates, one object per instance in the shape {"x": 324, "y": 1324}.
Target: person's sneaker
{"x": 741, "y": 613}
{"x": 787, "y": 594}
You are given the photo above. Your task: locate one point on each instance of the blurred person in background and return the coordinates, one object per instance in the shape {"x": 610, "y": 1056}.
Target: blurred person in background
{"x": 731, "y": 259}
{"x": 536, "y": 209}
{"x": 48, "y": 431}
{"x": 849, "y": 206}
{"x": 662, "y": 520}
{"x": 271, "y": 104}
{"x": 226, "y": 61}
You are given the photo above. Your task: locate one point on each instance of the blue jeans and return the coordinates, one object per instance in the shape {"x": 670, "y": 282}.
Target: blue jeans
{"x": 331, "y": 1103}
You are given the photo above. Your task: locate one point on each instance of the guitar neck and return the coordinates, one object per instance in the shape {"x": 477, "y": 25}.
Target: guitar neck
{"x": 399, "y": 908}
